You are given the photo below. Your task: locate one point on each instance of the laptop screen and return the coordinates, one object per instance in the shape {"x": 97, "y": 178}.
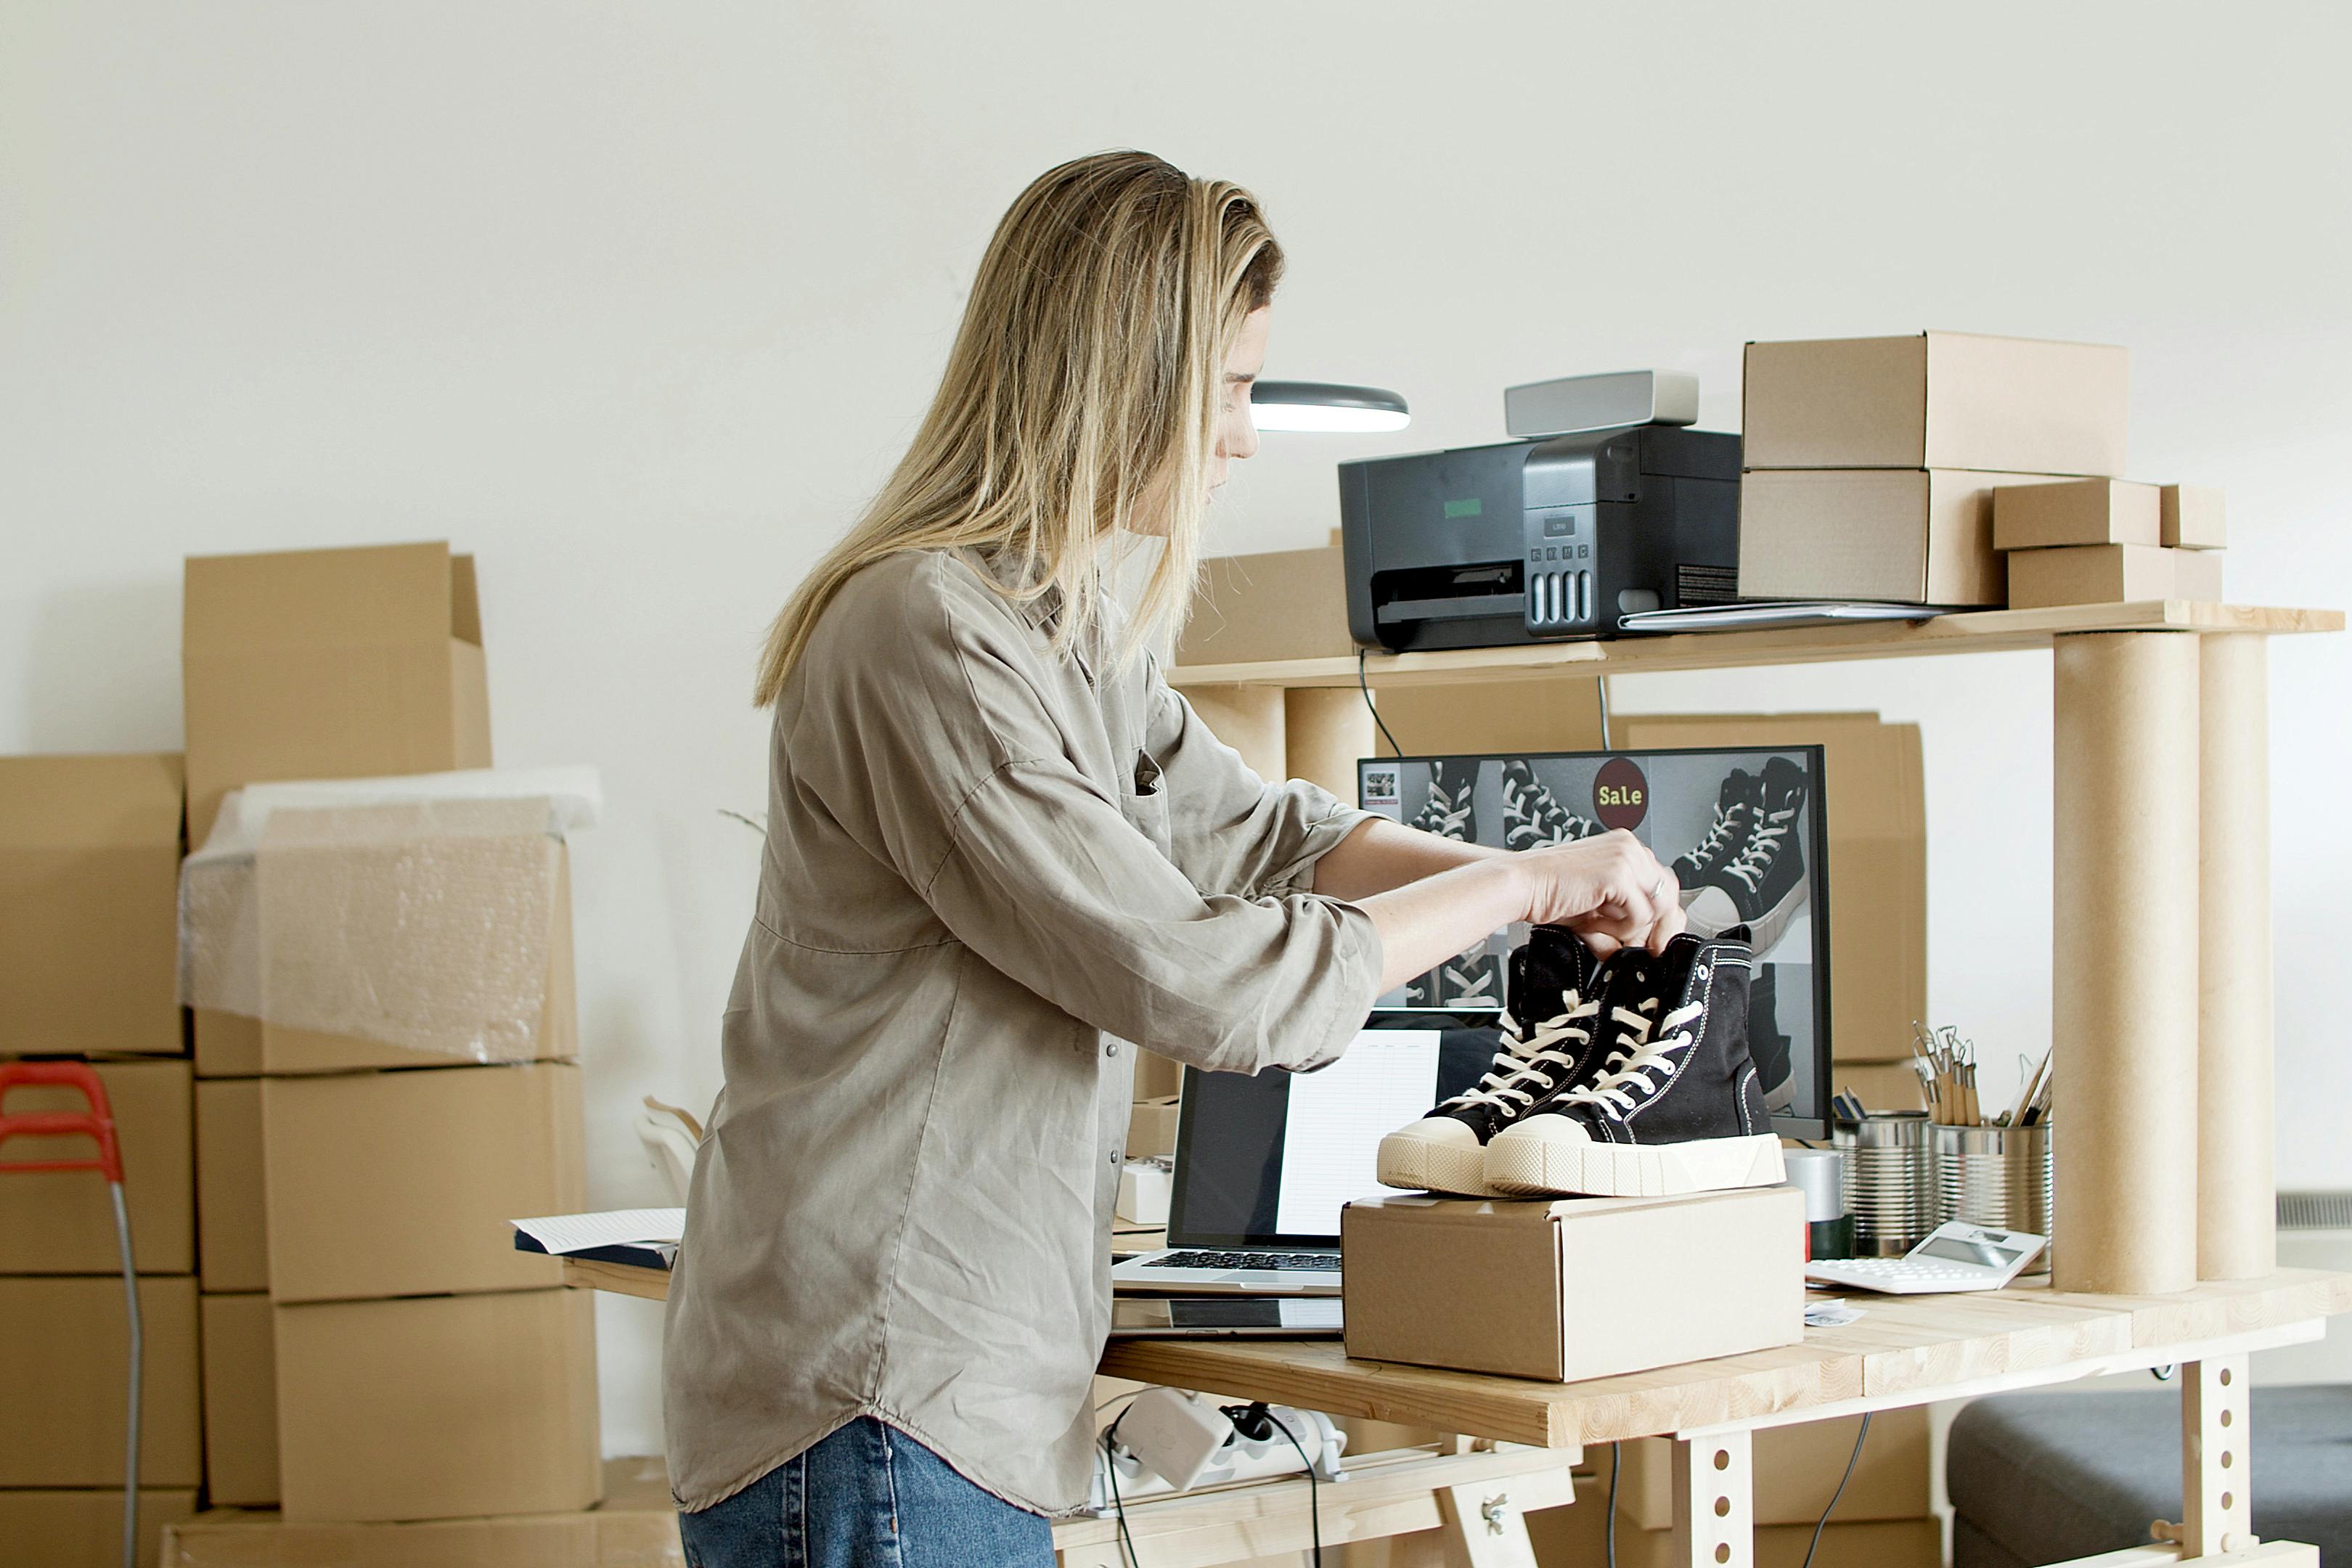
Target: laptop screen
{"x": 1270, "y": 1160}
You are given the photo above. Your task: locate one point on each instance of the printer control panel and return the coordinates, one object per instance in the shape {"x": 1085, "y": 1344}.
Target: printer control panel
{"x": 1563, "y": 574}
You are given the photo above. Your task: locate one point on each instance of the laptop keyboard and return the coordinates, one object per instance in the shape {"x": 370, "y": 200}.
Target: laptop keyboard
{"x": 1323, "y": 1260}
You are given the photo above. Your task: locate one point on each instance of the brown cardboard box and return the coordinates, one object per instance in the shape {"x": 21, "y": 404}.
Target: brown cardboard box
{"x": 84, "y": 1529}
{"x": 318, "y": 664}
{"x": 67, "y": 1347}
{"x": 240, "y": 1401}
{"x": 1151, "y": 1129}
{"x": 1905, "y": 535}
{"x": 401, "y": 1184}
{"x": 90, "y": 877}
{"x": 62, "y": 1222}
{"x": 2111, "y": 575}
{"x": 1883, "y": 1085}
{"x": 1937, "y": 400}
{"x": 1282, "y": 603}
{"x": 232, "y": 1211}
{"x": 1797, "y": 1468}
{"x": 229, "y": 1044}
{"x": 1576, "y": 1536}
{"x": 1886, "y": 1543}
{"x": 635, "y": 1527}
{"x": 2077, "y": 511}
{"x": 1519, "y": 1287}
{"x": 440, "y": 1408}
{"x": 1877, "y": 793}
{"x": 2191, "y": 517}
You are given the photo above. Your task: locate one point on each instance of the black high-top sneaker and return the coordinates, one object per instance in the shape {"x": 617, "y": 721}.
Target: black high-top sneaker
{"x": 1735, "y": 820}
{"x": 1675, "y": 1108}
{"x": 1552, "y": 1039}
{"x": 1448, "y": 810}
{"x": 1767, "y": 1048}
{"x": 1533, "y": 818}
{"x": 1765, "y": 885}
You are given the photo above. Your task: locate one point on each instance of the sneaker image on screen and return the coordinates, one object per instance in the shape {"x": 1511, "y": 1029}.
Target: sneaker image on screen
{"x": 1735, "y": 823}
{"x": 1552, "y": 1039}
{"x": 1676, "y": 1107}
{"x": 1533, "y": 818}
{"x": 1449, "y": 812}
{"x": 1763, "y": 885}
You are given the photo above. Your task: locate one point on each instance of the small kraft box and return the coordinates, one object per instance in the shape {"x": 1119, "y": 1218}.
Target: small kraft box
{"x": 89, "y": 879}
{"x": 1937, "y": 400}
{"x": 1576, "y": 1288}
{"x": 2111, "y": 575}
{"x": 1281, "y": 603}
{"x": 1905, "y": 536}
{"x": 2076, "y": 512}
{"x": 321, "y": 664}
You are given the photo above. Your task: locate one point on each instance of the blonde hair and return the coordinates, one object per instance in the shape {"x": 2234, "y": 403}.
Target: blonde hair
{"x": 1081, "y": 397}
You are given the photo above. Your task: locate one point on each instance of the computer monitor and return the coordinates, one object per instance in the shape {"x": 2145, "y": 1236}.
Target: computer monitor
{"x": 1745, "y": 828}
{"x": 1269, "y": 1161}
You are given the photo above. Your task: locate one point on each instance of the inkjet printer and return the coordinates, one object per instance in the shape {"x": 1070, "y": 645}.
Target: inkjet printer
{"x": 1543, "y": 540}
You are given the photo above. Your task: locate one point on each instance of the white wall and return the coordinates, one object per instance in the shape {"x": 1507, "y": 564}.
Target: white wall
{"x": 636, "y": 303}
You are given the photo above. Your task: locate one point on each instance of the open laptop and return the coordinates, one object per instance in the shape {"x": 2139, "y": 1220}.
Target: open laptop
{"x": 1264, "y": 1164}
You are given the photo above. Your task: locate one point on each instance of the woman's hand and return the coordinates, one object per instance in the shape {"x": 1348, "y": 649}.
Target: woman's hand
{"x": 1611, "y": 891}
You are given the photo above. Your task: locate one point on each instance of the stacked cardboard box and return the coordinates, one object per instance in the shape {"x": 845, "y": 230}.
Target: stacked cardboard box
{"x": 2094, "y": 542}
{"x": 89, "y": 852}
{"x": 373, "y": 1347}
{"x": 1578, "y": 1536}
{"x": 1872, "y": 462}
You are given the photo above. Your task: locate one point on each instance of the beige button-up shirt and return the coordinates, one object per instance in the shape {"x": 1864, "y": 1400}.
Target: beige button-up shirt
{"x": 988, "y": 871}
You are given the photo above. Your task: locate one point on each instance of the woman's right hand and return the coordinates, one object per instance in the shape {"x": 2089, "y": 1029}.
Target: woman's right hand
{"x": 1611, "y": 891}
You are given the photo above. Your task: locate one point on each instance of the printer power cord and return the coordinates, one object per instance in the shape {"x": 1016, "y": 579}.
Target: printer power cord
{"x": 1617, "y": 1469}
{"x": 1365, "y": 687}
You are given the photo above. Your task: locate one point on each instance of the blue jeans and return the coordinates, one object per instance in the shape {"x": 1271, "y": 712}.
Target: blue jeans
{"x": 866, "y": 1496}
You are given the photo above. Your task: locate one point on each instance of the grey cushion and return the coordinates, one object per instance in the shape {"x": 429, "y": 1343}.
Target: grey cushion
{"x": 2038, "y": 1478}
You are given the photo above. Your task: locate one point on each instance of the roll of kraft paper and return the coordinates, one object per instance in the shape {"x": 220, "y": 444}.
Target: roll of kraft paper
{"x": 2237, "y": 1230}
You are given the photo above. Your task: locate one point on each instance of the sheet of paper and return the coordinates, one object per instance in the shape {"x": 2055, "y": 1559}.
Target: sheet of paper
{"x": 1336, "y": 1119}
{"x": 564, "y": 1233}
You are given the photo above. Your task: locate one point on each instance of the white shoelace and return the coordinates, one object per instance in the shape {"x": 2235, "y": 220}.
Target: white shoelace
{"x": 1453, "y": 822}
{"x": 1630, "y": 1070}
{"x": 1757, "y": 858}
{"x": 1525, "y": 1060}
{"x": 1718, "y": 837}
{"x": 1472, "y": 984}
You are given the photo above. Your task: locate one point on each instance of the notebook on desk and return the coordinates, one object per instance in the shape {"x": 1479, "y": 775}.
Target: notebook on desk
{"x": 1264, "y": 1164}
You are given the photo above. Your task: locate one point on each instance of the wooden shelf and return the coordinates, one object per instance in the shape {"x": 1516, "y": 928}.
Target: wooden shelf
{"x": 1976, "y": 631}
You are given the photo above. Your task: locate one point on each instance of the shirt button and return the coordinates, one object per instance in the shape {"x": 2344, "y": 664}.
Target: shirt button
{"x": 1114, "y": 1156}
{"x": 1111, "y": 1049}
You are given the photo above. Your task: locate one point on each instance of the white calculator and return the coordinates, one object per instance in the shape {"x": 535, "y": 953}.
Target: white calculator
{"x": 1955, "y": 1257}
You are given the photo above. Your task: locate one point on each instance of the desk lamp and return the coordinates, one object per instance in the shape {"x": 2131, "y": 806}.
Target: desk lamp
{"x": 1327, "y": 406}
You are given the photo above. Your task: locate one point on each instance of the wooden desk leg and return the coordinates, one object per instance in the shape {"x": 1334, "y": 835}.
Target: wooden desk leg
{"x": 1715, "y": 1513}
{"x": 2124, "y": 969}
{"x": 2237, "y": 1234}
{"x": 1486, "y": 1528}
{"x": 2216, "y": 1445}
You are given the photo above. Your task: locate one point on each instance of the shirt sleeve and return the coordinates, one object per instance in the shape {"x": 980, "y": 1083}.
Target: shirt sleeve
{"x": 930, "y": 735}
{"x": 1231, "y": 830}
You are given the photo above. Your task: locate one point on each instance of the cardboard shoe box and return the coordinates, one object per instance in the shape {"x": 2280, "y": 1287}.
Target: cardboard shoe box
{"x": 1937, "y": 400}
{"x": 2191, "y": 517}
{"x": 1796, "y": 1469}
{"x": 1907, "y": 536}
{"x": 62, "y": 1222}
{"x": 1575, "y": 1289}
{"x": 1876, "y": 791}
{"x": 67, "y": 1344}
{"x": 319, "y": 664}
{"x": 1281, "y": 603}
{"x": 240, "y": 1382}
{"x": 635, "y": 1527}
{"x": 440, "y": 1408}
{"x": 2078, "y": 511}
{"x": 89, "y": 877}
{"x": 2111, "y": 575}
{"x": 401, "y": 1184}
{"x": 84, "y": 1529}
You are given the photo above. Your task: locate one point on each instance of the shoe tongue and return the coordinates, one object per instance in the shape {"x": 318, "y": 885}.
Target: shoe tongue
{"x": 1736, "y": 787}
{"x": 1558, "y": 960}
{"x": 1670, "y": 972}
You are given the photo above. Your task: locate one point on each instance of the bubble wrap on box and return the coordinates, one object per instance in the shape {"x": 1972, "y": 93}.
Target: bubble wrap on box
{"x": 424, "y": 924}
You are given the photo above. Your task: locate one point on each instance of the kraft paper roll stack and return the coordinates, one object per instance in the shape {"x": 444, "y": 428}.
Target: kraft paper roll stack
{"x": 2237, "y": 1231}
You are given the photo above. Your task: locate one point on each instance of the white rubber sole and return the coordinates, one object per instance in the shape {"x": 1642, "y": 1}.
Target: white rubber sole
{"x": 1523, "y": 1161}
{"x": 1419, "y": 1165}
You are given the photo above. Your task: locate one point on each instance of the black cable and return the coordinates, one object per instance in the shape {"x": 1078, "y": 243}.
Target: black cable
{"x": 1314, "y": 1513}
{"x": 1118, "y": 1507}
{"x": 1616, "y": 1468}
{"x": 1852, "y": 1461}
{"x": 1365, "y": 687}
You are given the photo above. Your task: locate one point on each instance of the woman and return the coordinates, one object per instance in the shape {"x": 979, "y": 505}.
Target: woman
{"x": 1000, "y": 850}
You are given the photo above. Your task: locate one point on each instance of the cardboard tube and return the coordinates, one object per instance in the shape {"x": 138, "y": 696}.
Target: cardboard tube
{"x": 1249, "y": 718}
{"x": 1327, "y": 730}
{"x": 2124, "y": 987}
{"x": 2237, "y": 1237}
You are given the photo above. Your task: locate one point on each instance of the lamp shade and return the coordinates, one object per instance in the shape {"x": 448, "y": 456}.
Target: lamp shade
{"x": 1327, "y": 406}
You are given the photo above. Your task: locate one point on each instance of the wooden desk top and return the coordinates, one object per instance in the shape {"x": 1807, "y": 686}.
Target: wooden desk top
{"x": 1902, "y": 1345}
